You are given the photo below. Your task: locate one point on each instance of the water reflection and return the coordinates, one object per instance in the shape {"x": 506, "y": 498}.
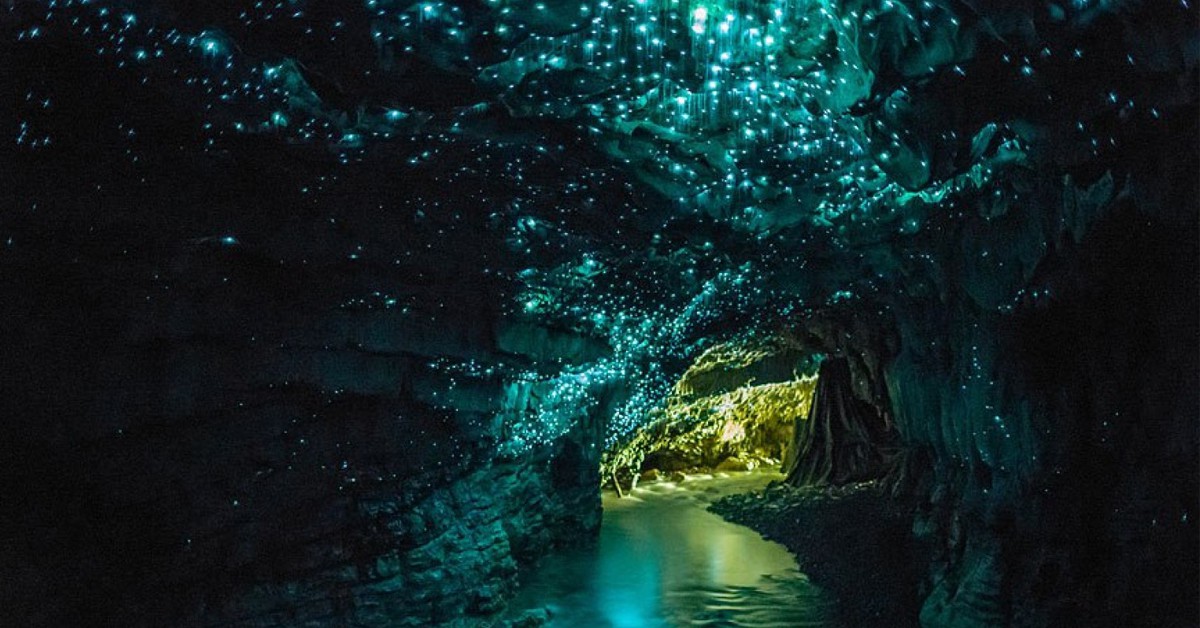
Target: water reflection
{"x": 663, "y": 560}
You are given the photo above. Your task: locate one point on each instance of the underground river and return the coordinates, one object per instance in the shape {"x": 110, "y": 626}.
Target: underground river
{"x": 663, "y": 560}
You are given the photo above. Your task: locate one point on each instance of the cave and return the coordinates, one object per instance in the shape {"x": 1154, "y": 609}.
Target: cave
{"x": 601, "y": 313}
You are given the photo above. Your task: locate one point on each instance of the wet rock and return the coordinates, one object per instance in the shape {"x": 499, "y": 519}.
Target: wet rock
{"x": 978, "y": 600}
{"x": 734, "y": 464}
{"x": 856, "y": 545}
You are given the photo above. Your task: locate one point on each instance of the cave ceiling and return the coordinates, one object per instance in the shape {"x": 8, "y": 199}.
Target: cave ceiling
{"x": 652, "y": 174}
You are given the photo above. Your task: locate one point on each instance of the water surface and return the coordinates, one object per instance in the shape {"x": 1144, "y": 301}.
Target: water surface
{"x": 663, "y": 560}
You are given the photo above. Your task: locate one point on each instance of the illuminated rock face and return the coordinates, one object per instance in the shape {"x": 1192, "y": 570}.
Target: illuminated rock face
{"x": 734, "y": 408}
{"x": 259, "y": 255}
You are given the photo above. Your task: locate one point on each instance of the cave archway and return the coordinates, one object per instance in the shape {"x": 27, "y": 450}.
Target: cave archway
{"x": 733, "y": 409}
{"x": 768, "y": 405}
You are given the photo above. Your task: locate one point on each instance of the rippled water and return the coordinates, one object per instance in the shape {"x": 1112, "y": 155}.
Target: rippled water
{"x": 663, "y": 560}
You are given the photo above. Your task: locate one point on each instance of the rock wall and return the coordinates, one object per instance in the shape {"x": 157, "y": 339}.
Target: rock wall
{"x": 1063, "y": 437}
{"x": 1036, "y": 338}
{"x": 1049, "y": 439}
{"x": 320, "y": 498}
{"x": 266, "y": 418}
{"x": 225, "y": 460}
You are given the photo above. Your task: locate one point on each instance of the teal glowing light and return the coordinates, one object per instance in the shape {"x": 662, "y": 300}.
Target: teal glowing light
{"x": 211, "y": 44}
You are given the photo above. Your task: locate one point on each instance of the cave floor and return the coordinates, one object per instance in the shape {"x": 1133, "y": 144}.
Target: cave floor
{"x": 662, "y": 559}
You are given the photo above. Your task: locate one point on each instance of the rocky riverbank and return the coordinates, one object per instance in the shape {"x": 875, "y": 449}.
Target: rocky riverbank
{"x": 854, "y": 542}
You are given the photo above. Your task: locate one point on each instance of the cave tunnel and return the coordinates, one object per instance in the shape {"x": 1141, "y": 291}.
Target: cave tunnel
{"x": 613, "y": 313}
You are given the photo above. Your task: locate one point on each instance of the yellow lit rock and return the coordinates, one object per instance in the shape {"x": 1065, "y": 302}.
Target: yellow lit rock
{"x": 717, "y": 418}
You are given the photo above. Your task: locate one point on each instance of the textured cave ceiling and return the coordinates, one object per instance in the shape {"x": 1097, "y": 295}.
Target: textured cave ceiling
{"x": 652, "y": 175}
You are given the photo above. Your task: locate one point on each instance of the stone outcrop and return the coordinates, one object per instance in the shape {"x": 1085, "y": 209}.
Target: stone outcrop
{"x": 843, "y": 438}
